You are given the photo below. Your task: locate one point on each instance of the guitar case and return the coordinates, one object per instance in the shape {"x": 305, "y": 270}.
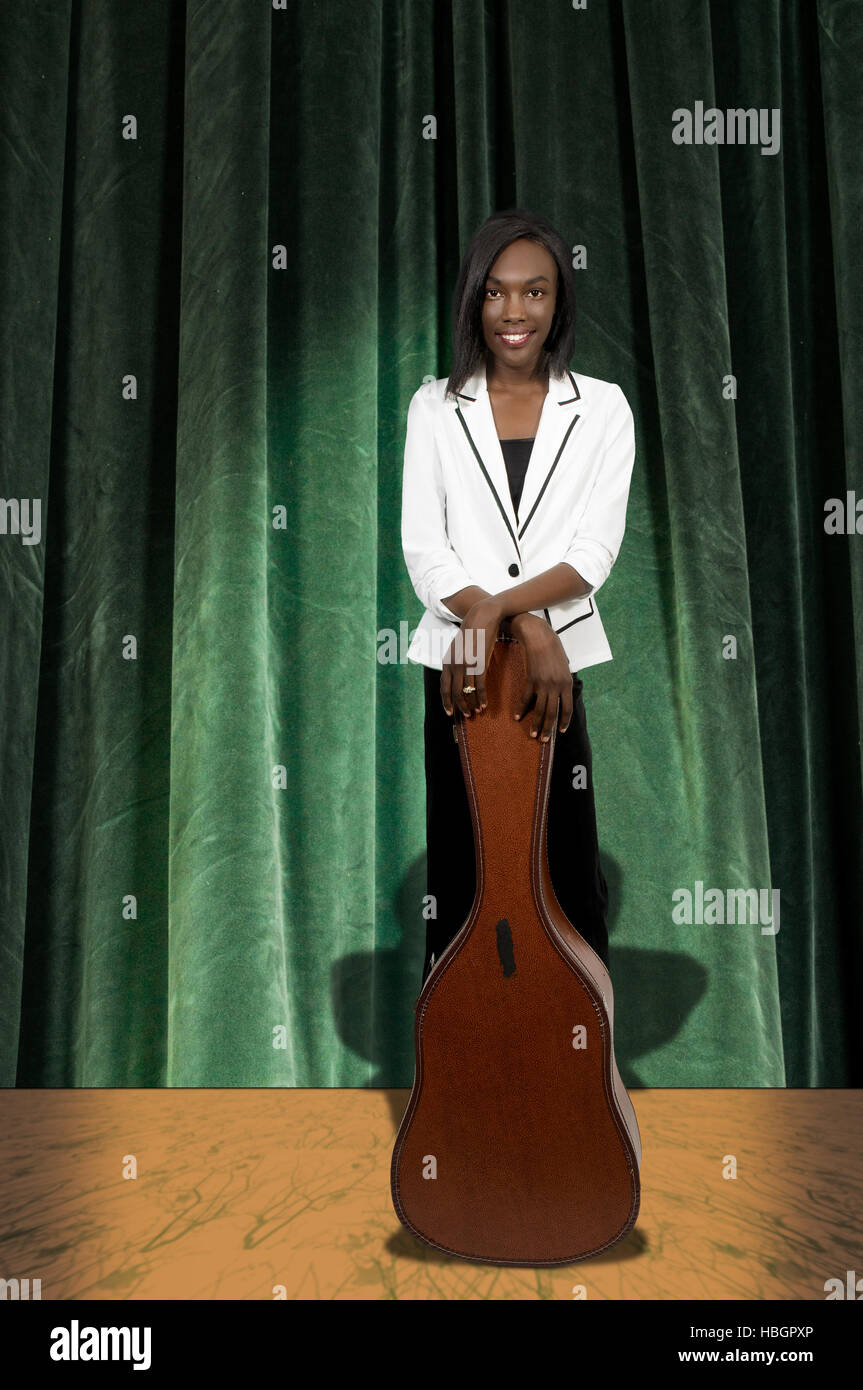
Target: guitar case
{"x": 519, "y": 1144}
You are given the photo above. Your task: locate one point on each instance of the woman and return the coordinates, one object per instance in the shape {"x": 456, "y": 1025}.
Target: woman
{"x": 516, "y": 481}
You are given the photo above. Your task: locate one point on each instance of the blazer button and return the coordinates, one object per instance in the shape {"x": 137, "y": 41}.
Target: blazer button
{"x": 513, "y": 570}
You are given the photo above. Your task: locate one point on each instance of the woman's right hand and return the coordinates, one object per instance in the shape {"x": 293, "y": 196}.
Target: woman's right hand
{"x": 548, "y": 679}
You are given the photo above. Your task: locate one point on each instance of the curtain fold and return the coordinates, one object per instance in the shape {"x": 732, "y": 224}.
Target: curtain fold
{"x": 31, "y": 168}
{"x": 231, "y": 241}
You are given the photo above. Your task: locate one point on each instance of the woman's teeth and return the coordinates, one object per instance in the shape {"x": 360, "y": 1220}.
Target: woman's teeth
{"x": 515, "y": 339}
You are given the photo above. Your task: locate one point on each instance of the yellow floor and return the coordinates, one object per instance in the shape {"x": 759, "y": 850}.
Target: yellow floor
{"x": 239, "y": 1192}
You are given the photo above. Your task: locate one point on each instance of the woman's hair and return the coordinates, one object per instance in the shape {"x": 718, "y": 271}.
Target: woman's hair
{"x": 496, "y": 233}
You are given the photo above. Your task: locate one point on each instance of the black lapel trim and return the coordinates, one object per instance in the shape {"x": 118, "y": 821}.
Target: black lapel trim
{"x": 548, "y": 475}
{"x": 488, "y": 479}
{"x": 576, "y": 620}
{"x": 577, "y": 396}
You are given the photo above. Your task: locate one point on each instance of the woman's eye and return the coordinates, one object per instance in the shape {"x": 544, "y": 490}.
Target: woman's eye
{"x": 534, "y": 290}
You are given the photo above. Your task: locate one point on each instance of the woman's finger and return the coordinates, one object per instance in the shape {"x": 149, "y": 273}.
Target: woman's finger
{"x": 459, "y": 680}
{"x": 539, "y": 712}
{"x": 527, "y": 697}
{"x": 550, "y": 716}
{"x": 446, "y": 687}
{"x": 473, "y": 668}
{"x": 566, "y": 707}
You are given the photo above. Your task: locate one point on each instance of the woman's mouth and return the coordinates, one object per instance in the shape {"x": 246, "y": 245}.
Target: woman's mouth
{"x": 516, "y": 340}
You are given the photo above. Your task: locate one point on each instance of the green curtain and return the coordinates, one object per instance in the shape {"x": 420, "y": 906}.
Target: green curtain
{"x": 212, "y": 840}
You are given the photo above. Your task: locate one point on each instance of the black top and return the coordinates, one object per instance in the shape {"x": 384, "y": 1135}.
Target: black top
{"x": 516, "y": 455}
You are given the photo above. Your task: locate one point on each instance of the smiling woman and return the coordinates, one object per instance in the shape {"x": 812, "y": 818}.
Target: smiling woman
{"x": 517, "y": 474}
{"x": 519, "y": 307}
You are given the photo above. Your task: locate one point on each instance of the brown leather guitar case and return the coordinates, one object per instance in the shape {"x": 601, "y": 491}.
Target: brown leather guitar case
{"x": 519, "y": 1144}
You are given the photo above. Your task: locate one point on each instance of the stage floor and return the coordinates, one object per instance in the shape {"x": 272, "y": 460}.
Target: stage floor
{"x": 242, "y": 1193}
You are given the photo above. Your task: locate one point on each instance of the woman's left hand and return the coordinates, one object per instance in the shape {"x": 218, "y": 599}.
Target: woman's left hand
{"x": 467, "y": 659}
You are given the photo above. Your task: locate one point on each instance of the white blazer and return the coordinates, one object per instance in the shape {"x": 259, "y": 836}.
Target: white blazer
{"x": 459, "y": 526}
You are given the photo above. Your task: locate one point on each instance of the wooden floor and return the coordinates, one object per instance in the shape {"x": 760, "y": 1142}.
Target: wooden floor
{"x": 240, "y": 1192}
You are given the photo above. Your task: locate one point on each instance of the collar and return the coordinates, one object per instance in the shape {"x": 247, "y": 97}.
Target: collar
{"x": 563, "y": 389}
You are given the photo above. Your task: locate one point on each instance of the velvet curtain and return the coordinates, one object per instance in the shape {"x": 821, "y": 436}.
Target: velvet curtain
{"x": 230, "y": 236}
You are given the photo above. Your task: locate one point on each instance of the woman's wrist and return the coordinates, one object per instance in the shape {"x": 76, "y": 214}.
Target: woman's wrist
{"x": 485, "y": 609}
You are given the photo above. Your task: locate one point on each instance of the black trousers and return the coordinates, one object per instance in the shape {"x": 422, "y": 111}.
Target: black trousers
{"x": 573, "y": 848}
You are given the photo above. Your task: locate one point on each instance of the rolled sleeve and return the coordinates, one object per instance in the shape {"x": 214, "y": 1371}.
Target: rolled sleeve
{"x": 596, "y": 543}
{"x": 434, "y": 568}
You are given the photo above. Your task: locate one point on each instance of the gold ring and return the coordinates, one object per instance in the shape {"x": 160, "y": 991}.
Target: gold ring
{"x": 468, "y": 689}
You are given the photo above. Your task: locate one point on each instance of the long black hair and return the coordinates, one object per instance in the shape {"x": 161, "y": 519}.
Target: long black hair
{"x": 496, "y": 233}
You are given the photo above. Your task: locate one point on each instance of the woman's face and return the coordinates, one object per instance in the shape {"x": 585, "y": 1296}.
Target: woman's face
{"x": 518, "y": 307}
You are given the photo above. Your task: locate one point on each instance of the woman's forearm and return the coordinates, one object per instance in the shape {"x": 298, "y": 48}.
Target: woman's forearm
{"x": 560, "y": 584}
{"x": 462, "y": 602}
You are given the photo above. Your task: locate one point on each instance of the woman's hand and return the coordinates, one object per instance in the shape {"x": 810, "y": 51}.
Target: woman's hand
{"x": 475, "y": 639}
{"x": 548, "y": 677}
